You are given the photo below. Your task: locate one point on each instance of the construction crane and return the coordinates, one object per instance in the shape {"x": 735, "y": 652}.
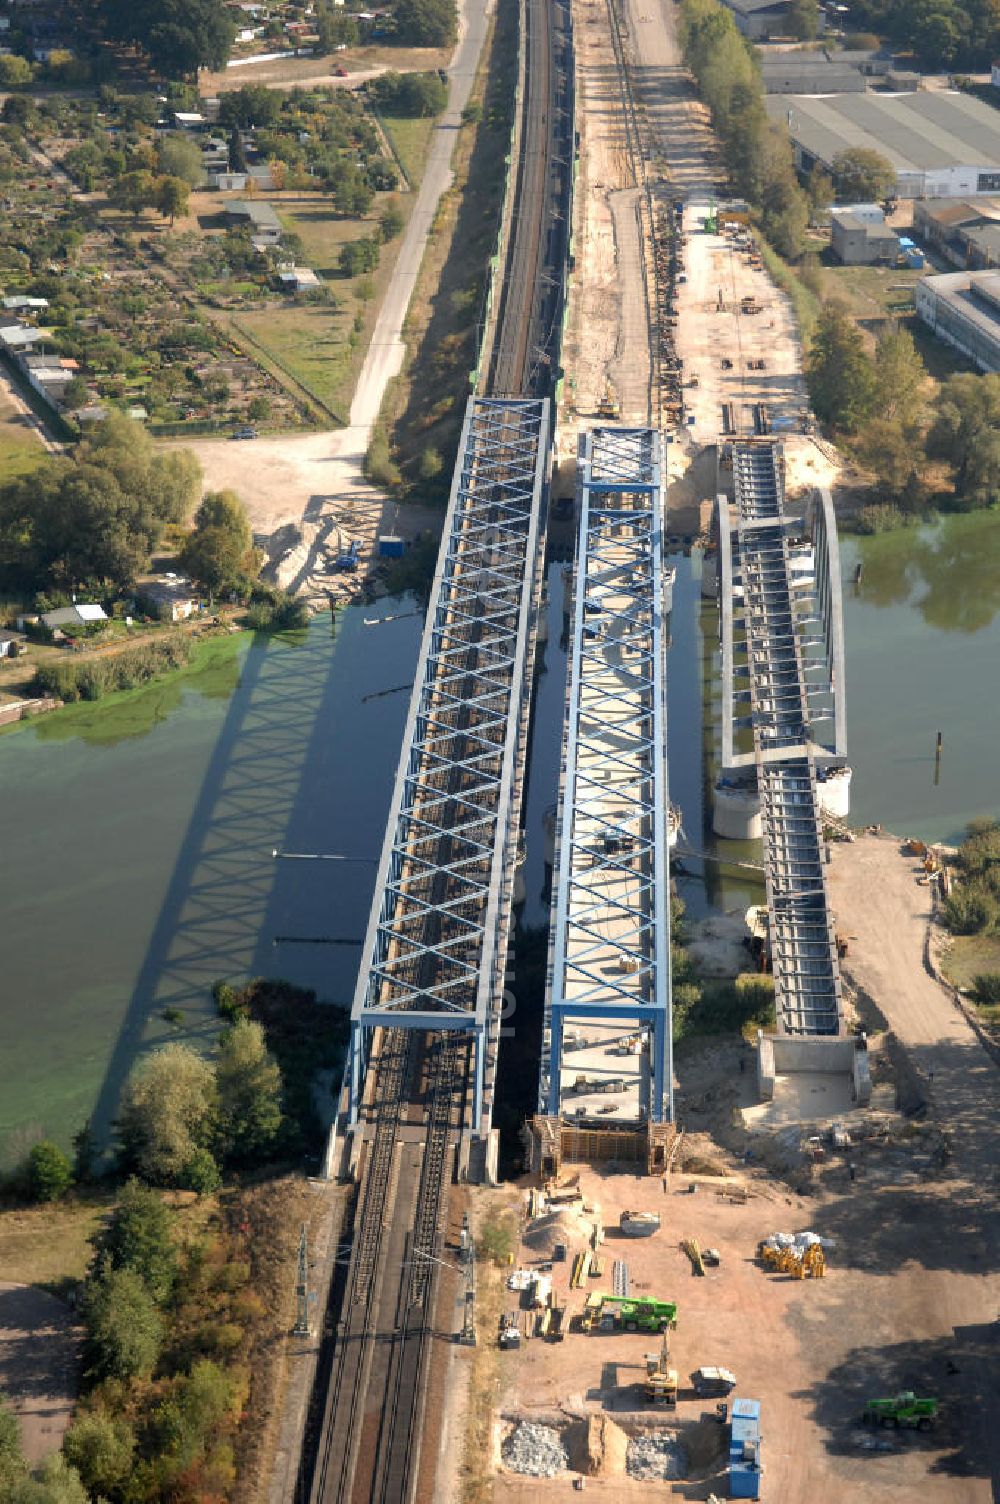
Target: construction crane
{"x": 661, "y": 1379}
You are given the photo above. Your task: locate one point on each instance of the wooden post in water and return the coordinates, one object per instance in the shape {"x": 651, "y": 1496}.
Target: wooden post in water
{"x": 937, "y": 760}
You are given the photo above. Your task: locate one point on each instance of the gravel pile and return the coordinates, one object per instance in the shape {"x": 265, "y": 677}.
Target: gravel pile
{"x": 535, "y": 1450}
{"x": 654, "y": 1457}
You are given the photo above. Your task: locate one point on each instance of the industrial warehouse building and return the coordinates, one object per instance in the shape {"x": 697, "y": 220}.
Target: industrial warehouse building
{"x": 964, "y": 309}
{"x": 966, "y": 234}
{"x": 761, "y": 19}
{"x": 860, "y": 236}
{"x": 942, "y": 145}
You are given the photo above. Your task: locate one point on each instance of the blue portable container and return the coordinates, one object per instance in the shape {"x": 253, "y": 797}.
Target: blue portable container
{"x": 744, "y": 1450}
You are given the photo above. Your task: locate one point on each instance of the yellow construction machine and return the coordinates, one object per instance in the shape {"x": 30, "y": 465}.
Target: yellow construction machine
{"x": 800, "y": 1263}
{"x": 608, "y": 406}
{"x": 661, "y": 1379}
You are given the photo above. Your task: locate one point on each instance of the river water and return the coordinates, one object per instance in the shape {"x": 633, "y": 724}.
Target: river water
{"x": 138, "y": 843}
{"x": 923, "y": 655}
{"x": 138, "y": 834}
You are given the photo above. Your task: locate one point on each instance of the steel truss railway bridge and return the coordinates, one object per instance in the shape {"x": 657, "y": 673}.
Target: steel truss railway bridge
{"x": 609, "y": 962}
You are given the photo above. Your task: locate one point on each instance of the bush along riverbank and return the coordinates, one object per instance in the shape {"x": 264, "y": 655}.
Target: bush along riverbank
{"x": 96, "y": 677}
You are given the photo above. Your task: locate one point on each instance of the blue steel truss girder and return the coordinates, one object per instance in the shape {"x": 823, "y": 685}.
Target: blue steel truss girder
{"x": 610, "y": 945}
{"x": 803, "y": 949}
{"x": 434, "y": 952}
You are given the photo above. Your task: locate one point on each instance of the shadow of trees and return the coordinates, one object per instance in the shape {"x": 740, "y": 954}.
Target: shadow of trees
{"x": 960, "y": 1370}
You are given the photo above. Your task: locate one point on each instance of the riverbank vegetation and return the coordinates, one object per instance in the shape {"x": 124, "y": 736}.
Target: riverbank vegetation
{"x": 99, "y": 676}
{"x": 878, "y": 405}
{"x": 91, "y": 523}
{"x": 185, "y": 1293}
{"x": 971, "y": 913}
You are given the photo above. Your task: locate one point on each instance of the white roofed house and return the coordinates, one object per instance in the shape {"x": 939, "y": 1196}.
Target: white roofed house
{"x": 82, "y": 614}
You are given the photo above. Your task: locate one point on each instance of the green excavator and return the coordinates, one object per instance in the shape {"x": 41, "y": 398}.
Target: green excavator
{"x": 901, "y": 1410}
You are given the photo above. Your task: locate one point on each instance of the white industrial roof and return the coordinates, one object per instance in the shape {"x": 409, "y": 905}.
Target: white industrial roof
{"x": 917, "y": 132}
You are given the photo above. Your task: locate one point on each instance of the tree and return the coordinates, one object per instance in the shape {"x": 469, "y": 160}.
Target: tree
{"x": 201, "y": 1173}
{"x": 168, "y": 1112}
{"x": 52, "y": 1482}
{"x": 410, "y": 94}
{"x": 966, "y": 433}
{"x": 50, "y": 1173}
{"x": 803, "y": 19}
{"x": 252, "y": 105}
{"x": 178, "y": 38}
{"x": 124, "y": 1328}
{"x": 249, "y": 1084}
{"x": 839, "y": 372}
{"x": 139, "y": 1237}
{"x": 12, "y": 1464}
{"x": 172, "y": 195}
{"x": 15, "y": 72}
{"x": 822, "y": 193}
{"x": 76, "y": 394}
{"x": 180, "y": 157}
{"x": 426, "y": 23}
{"x": 73, "y": 526}
{"x": 891, "y": 450}
{"x": 211, "y": 557}
{"x": 101, "y": 1448}
{"x": 391, "y": 222}
{"x": 334, "y": 28}
{"x": 223, "y": 509}
{"x": 359, "y": 256}
{"x": 900, "y": 377}
{"x": 133, "y": 192}
{"x": 862, "y": 176}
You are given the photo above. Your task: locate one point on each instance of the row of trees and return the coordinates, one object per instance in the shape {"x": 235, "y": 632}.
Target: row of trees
{"x": 93, "y": 522}
{"x": 758, "y": 151}
{"x": 942, "y": 33}
{"x": 879, "y": 402}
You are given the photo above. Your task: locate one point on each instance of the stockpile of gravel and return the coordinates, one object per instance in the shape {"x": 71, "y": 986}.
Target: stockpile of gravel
{"x": 535, "y": 1450}
{"x": 654, "y": 1457}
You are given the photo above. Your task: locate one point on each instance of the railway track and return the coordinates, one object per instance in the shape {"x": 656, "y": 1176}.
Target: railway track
{"x": 518, "y": 363}
{"x": 647, "y": 223}
{"x": 368, "y": 1413}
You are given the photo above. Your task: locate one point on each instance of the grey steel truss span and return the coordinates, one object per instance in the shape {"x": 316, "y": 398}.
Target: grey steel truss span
{"x": 435, "y": 951}
{"x": 780, "y": 613}
{"x": 610, "y": 945}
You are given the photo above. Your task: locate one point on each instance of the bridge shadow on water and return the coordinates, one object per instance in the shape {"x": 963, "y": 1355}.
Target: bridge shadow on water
{"x": 304, "y": 762}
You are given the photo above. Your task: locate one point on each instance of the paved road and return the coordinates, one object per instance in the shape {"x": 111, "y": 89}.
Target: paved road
{"x": 385, "y": 354}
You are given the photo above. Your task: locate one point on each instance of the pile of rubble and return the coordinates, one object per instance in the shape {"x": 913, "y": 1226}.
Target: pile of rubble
{"x": 655, "y": 1457}
{"x": 537, "y": 1451}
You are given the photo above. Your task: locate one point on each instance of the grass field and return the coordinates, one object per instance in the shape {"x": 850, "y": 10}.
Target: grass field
{"x": 411, "y": 141}
{"x": 970, "y": 956}
{"x": 45, "y": 1245}
{"x": 319, "y": 345}
{"x": 21, "y": 450}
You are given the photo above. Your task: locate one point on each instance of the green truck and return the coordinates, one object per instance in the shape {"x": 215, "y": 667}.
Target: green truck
{"x": 901, "y": 1410}
{"x": 608, "y": 1313}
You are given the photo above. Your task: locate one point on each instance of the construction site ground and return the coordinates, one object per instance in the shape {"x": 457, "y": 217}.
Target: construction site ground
{"x": 607, "y": 349}
{"x": 909, "y": 1300}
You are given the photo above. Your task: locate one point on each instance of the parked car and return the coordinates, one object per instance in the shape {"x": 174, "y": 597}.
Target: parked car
{"x": 245, "y": 433}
